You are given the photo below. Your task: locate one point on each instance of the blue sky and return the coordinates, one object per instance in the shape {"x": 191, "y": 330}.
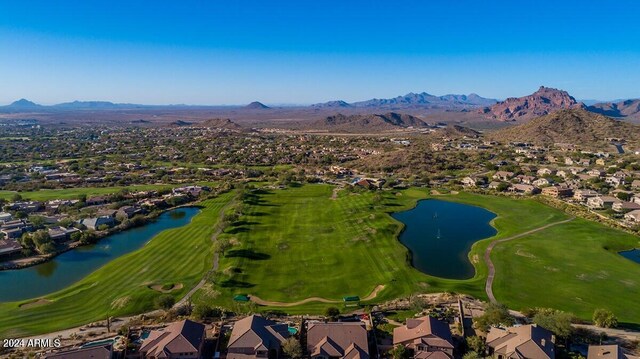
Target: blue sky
{"x": 234, "y": 52}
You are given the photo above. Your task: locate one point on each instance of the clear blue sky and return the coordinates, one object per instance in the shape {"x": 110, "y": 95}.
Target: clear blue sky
{"x": 234, "y": 51}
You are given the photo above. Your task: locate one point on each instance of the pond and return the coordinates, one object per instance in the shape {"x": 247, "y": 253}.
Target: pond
{"x": 633, "y": 254}
{"x": 440, "y": 234}
{"x": 71, "y": 266}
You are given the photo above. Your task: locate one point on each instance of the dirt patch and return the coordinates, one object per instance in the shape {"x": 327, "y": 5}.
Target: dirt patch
{"x": 120, "y": 302}
{"x": 35, "y": 303}
{"x": 522, "y": 253}
{"x": 166, "y": 289}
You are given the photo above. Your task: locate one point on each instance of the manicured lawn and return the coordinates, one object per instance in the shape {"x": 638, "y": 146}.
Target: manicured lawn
{"x": 180, "y": 255}
{"x": 298, "y": 243}
{"x": 574, "y": 267}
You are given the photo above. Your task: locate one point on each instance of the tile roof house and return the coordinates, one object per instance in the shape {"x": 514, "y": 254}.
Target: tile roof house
{"x": 97, "y": 352}
{"x": 256, "y": 337}
{"x": 346, "y": 340}
{"x": 521, "y": 342}
{"x": 182, "y": 339}
{"x": 607, "y": 352}
{"x": 426, "y": 337}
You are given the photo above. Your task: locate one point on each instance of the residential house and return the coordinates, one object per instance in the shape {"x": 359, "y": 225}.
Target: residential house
{"x": 614, "y": 181}
{"x": 193, "y": 191}
{"x": 96, "y": 200}
{"x": 95, "y": 222}
{"x": 542, "y": 182}
{"x": 9, "y": 246}
{"x": 596, "y": 173}
{"x": 5, "y": 217}
{"x": 495, "y": 184}
{"x": 182, "y": 339}
{"x": 256, "y": 337}
{"x": 425, "y": 337}
{"x": 14, "y": 229}
{"x": 26, "y": 206}
{"x": 473, "y": 181}
{"x": 633, "y": 216}
{"x": 503, "y": 175}
{"x": 54, "y": 205}
{"x": 559, "y": 191}
{"x": 526, "y": 179}
{"x": 635, "y": 184}
{"x": 582, "y": 195}
{"x": 346, "y": 340}
{"x": 524, "y": 189}
{"x": 625, "y": 206}
{"x": 546, "y": 172}
{"x": 93, "y": 352}
{"x": 601, "y": 202}
{"x": 521, "y": 342}
{"x": 129, "y": 211}
{"x": 607, "y": 352}
{"x": 61, "y": 234}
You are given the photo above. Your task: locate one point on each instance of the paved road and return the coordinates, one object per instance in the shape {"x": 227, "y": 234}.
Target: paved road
{"x": 487, "y": 254}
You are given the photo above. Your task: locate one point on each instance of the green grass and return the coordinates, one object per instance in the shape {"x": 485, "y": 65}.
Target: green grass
{"x": 74, "y": 193}
{"x": 298, "y": 243}
{"x": 305, "y": 244}
{"x": 573, "y": 267}
{"x": 180, "y": 255}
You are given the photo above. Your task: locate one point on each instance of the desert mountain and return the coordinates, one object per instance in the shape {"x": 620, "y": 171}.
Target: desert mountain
{"x": 180, "y": 123}
{"x": 627, "y": 108}
{"x": 220, "y": 123}
{"x": 332, "y": 104}
{"x": 457, "y": 131}
{"x": 255, "y": 105}
{"x": 416, "y": 100}
{"x": 90, "y": 105}
{"x": 23, "y": 104}
{"x": 367, "y": 123}
{"x": 544, "y": 101}
{"x": 574, "y": 126}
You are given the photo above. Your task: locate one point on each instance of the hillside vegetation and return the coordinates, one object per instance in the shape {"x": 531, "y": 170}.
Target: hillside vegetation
{"x": 575, "y": 126}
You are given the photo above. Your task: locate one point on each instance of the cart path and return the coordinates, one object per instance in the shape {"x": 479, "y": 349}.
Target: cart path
{"x": 260, "y": 301}
{"x": 487, "y": 254}
{"x": 216, "y": 259}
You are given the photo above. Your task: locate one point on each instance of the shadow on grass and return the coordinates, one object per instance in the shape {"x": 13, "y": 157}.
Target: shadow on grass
{"x": 237, "y": 230}
{"x": 245, "y": 223}
{"x": 247, "y": 253}
{"x": 392, "y": 205}
{"x": 232, "y": 283}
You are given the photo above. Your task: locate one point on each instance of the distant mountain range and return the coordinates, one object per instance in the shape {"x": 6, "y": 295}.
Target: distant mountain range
{"x": 415, "y": 100}
{"x": 626, "y": 108}
{"x": 475, "y": 108}
{"x": 575, "y": 126}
